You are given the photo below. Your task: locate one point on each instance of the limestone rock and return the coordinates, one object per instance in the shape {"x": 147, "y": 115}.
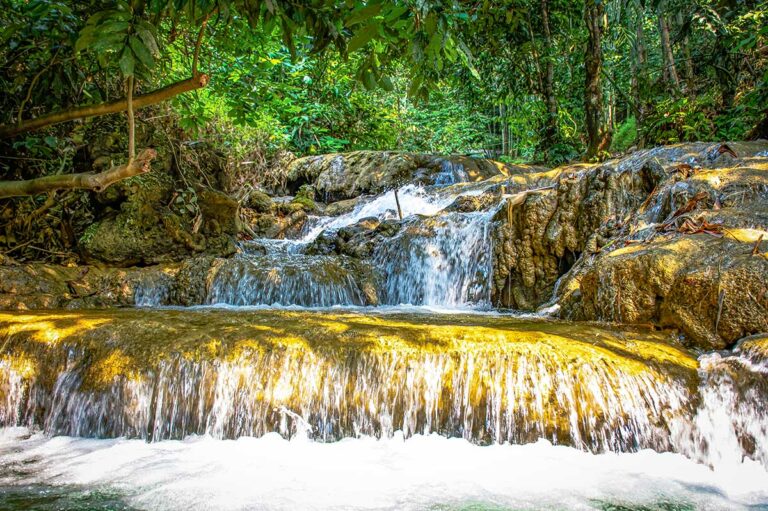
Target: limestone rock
{"x": 341, "y": 176}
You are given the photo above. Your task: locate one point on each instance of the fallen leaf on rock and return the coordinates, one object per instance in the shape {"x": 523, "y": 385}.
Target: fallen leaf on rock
{"x": 691, "y": 204}
{"x": 690, "y": 226}
{"x": 685, "y": 170}
{"x": 724, "y": 149}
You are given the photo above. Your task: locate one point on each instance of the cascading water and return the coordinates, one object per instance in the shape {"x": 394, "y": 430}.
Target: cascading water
{"x": 730, "y": 422}
{"x": 400, "y": 378}
{"x": 304, "y": 280}
{"x": 215, "y": 407}
{"x": 440, "y": 259}
{"x": 483, "y": 378}
{"x": 444, "y": 261}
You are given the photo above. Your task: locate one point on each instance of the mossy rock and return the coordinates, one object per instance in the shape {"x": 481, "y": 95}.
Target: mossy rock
{"x": 260, "y": 202}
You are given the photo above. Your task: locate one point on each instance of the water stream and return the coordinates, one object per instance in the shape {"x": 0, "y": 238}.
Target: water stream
{"x": 438, "y": 259}
{"x": 314, "y": 400}
{"x": 269, "y": 408}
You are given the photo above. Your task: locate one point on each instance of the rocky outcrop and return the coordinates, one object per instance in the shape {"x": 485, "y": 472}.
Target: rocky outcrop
{"x": 44, "y": 286}
{"x": 714, "y": 290}
{"x": 310, "y": 280}
{"x": 665, "y": 236}
{"x": 151, "y": 223}
{"x": 341, "y": 176}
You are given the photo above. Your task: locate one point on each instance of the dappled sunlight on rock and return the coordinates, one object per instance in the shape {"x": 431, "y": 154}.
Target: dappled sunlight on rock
{"x": 168, "y": 373}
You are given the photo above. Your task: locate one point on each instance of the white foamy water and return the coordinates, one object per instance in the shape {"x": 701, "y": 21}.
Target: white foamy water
{"x": 438, "y": 259}
{"x": 414, "y": 200}
{"x": 424, "y": 472}
{"x": 450, "y": 265}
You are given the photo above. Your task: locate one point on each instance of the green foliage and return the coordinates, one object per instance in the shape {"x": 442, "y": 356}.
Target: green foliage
{"x": 438, "y": 75}
{"x": 625, "y": 136}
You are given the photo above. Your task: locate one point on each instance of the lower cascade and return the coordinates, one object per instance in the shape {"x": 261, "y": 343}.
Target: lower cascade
{"x": 397, "y": 379}
{"x": 327, "y": 376}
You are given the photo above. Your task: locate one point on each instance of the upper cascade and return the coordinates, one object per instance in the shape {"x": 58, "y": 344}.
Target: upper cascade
{"x": 431, "y": 257}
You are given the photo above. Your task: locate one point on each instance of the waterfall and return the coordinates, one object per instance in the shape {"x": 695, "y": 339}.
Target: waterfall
{"x": 489, "y": 397}
{"x": 439, "y": 259}
{"x": 730, "y": 423}
{"x": 483, "y": 378}
{"x": 443, "y": 261}
{"x": 309, "y": 281}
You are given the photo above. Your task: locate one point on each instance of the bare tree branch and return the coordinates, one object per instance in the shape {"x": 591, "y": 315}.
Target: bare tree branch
{"x": 83, "y": 181}
{"x": 112, "y": 107}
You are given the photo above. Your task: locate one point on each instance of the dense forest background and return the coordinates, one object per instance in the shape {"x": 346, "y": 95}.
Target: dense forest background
{"x": 508, "y": 78}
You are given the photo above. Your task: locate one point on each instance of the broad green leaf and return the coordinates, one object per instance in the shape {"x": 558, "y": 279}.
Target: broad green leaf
{"x": 363, "y": 14}
{"x": 113, "y": 26}
{"x": 386, "y": 83}
{"x": 363, "y": 37}
{"x": 127, "y": 62}
{"x": 148, "y": 38}
{"x": 141, "y": 52}
{"x": 369, "y": 81}
{"x": 435, "y": 43}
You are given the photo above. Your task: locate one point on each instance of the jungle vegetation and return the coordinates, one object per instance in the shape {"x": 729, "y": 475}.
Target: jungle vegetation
{"x": 523, "y": 80}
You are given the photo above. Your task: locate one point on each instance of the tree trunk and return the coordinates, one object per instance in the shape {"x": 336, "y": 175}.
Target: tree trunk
{"x": 690, "y": 79}
{"x": 550, "y": 130}
{"x": 724, "y": 71}
{"x": 84, "y": 181}
{"x": 504, "y": 132}
{"x": 670, "y": 70}
{"x": 638, "y": 78}
{"x": 121, "y": 105}
{"x": 598, "y": 138}
{"x": 536, "y": 59}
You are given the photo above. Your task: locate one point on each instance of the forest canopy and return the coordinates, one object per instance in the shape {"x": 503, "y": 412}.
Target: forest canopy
{"x": 533, "y": 80}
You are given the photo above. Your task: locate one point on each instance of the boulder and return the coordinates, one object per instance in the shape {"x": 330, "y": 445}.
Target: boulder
{"x": 662, "y": 236}
{"x": 340, "y": 176}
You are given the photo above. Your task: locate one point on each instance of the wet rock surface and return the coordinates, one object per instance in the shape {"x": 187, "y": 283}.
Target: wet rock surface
{"x": 338, "y": 370}
{"x": 346, "y": 175}
{"x": 667, "y": 236}
{"x": 673, "y": 236}
{"x": 42, "y": 286}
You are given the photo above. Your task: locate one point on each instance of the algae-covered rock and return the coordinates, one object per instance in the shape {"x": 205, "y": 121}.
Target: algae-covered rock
{"x": 714, "y": 290}
{"x": 147, "y": 230}
{"x": 341, "y": 207}
{"x": 220, "y": 212}
{"x": 464, "y": 374}
{"x": 286, "y": 220}
{"x": 260, "y": 202}
{"x": 45, "y": 286}
{"x": 305, "y": 198}
{"x": 358, "y": 240}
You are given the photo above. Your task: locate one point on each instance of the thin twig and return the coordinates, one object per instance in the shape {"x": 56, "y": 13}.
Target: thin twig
{"x": 32, "y": 85}
{"x": 16, "y": 247}
{"x": 200, "y": 33}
